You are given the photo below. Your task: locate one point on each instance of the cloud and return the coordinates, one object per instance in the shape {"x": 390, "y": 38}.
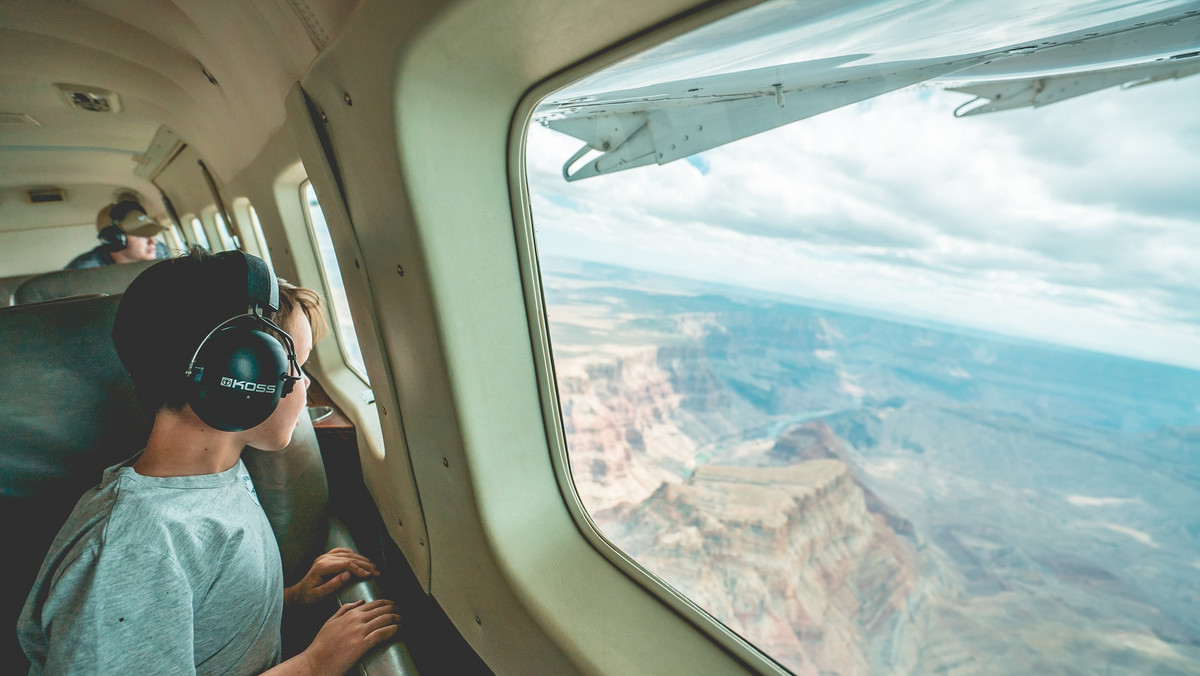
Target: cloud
{"x": 1077, "y": 222}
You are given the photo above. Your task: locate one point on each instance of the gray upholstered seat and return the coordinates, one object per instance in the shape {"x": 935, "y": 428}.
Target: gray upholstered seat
{"x": 109, "y": 279}
{"x": 67, "y": 411}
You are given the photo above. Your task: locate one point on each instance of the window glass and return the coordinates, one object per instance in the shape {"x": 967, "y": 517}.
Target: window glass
{"x": 885, "y": 377}
{"x": 332, "y": 274}
{"x": 256, "y": 225}
{"x": 229, "y": 241}
{"x": 198, "y": 234}
{"x": 175, "y": 238}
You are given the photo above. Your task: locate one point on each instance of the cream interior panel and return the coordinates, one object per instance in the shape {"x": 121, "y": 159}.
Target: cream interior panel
{"x": 508, "y": 564}
{"x": 30, "y": 251}
{"x": 384, "y": 454}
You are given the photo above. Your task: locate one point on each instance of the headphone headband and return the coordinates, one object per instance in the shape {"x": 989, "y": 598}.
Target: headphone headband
{"x": 262, "y": 288}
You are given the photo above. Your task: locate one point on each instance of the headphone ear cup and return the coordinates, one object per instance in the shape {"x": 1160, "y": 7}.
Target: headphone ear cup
{"x": 113, "y": 237}
{"x": 242, "y": 378}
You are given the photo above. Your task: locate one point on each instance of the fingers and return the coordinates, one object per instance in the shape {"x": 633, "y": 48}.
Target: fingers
{"x": 380, "y": 635}
{"x": 384, "y": 620}
{"x": 345, "y": 608}
{"x": 337, "y": 560}
{"x": 380, "y": 622}
{"x": 330, "y": 586}
{"x": 375, "y": 608}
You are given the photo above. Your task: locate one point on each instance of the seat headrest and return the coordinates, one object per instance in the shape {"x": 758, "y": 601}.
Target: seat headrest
{"x": 8, "y": 285}
{"x": 110, "y": 279}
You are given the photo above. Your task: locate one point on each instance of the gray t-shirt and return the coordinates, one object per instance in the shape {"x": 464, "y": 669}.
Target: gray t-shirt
{"x": 159, "y": 575}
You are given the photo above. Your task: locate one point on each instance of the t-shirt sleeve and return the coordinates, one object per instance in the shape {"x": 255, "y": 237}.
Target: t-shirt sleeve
{"x": 120, "y": 611}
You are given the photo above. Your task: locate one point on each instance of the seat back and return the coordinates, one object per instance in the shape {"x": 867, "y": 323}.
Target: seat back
{"x": 68, "y": 410}
{"x": 110, "y": 279}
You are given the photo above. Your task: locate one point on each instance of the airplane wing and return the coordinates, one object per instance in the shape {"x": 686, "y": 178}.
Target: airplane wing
{"x": 1039, "y": 91}
{"x": 665, "y": 122}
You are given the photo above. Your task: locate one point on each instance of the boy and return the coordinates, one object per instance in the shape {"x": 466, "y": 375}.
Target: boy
{"x": 170, "y": 565}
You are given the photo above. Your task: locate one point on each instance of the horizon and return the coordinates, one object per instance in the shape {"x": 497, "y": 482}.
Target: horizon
{"x": 863, "y": 312}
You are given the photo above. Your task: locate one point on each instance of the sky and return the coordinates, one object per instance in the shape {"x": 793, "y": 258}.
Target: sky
{"x": 1075, "y": 223}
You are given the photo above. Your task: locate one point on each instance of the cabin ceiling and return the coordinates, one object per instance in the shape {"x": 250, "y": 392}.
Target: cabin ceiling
{"x": 153, "y": 54}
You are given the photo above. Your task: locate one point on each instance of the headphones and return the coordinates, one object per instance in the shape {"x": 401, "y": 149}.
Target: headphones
{"x": 240, "y": 371}
{"x": 111, "y": 235}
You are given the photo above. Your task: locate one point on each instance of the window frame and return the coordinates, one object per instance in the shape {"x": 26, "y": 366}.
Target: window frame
{"x": 547, "y": 385}
{"x": 198, "y": 235}
{"x": 175, "y": 236}
{"x": 212, "y": 220}
{"x": 303, "y": 187}
{"x": 245, "y": 212}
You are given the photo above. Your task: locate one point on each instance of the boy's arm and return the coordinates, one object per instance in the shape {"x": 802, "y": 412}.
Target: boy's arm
{"x": 352, "y": 632}
{"x": 120, "y": 612}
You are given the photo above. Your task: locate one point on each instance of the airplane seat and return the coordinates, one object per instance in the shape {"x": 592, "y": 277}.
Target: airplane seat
{"x": 110, "y": 279}
{"x": 8, "y": 285}
{"x": 294, "y": 493}
{"x": 69, "y": 411}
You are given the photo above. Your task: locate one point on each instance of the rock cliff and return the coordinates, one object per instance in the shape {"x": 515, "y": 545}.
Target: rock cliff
{"x": 789, "y": 557}
{"x": 788, "y": 548}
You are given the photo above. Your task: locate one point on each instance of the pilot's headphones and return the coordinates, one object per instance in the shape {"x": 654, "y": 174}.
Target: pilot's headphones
{"x": 113, "y": 237}
{"x": 240, "y": 371}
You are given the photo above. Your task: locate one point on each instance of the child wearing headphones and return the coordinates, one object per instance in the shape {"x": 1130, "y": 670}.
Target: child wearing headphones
{"x": 169, "y": 565}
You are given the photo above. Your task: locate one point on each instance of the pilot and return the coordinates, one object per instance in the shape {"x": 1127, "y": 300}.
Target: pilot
{"x": 126, "y": 234}
{"x": 169, "y": 565}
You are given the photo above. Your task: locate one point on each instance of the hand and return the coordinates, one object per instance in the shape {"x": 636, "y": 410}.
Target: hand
{"x": 329, "y": 573}
{"x": 352, "y": 631}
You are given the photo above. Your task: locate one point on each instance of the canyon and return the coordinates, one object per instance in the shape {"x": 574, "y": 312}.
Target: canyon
{"x": 855, "y": 495}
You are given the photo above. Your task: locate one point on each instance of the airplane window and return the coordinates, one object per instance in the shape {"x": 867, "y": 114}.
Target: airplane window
{"x": 175, "y": 238}
{"x": 229, "y": 241}
{"x": 332, "y": 275}
{"x": 198, "y": 234}
{"x": 874, "y": 329}
{"x": 222, "y": 230}
{"x": 256, "y": 225}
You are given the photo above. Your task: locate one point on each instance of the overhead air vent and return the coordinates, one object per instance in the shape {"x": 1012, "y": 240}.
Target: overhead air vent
{"x": 90, "y": 99}
{"x": 18, "y": 120}
{"x": 46, "y": 195}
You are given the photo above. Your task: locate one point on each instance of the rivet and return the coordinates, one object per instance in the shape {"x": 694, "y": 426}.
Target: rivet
{"x": 324, "y": 117}
{"x": 445, "y": 462}
{"x": 400, "y": 269}
{"x": 400, "y": 522}
{"x": 478, "y": 621}
{"x": 346, "y": 98}
{"x": 383, "y": 409}
{"x": 421, "y": 541}
{"x": 356, "y": 264}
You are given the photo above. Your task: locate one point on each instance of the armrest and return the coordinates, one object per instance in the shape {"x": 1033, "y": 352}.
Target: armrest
{"x": 392, "y": 658}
